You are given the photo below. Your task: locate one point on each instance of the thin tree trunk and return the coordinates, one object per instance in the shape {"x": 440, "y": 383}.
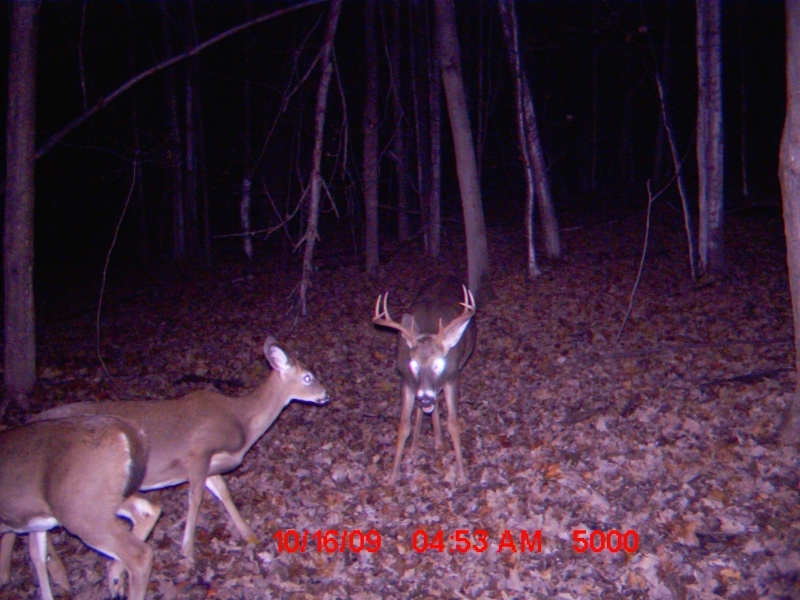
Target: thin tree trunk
{"x": 466, "y": 167}
{"x": 744, "y": 109}
{"x": 312, "y": 233}
{"x": 790, "y": 188}
{"x": 203, "y": 201}
{"x": 81, "y": 62}
{"x": 660, "y": 157}
{"x": 434, "y": 198}
{"x": 20, "y": 330}
{"x": 175, "y": 149}
{"x": 482, "y": 106}
{"x": 245, "y": 204}
{"x": 244, "y": 217}
{"x": 371, "y": 144}
{"x": 399, "y": 145}
{"x": 547, "y": 210}
{"x": 593, "y": 175}
{"x": 190, "y": 166}
{"x": 419, "y": 50}
{"x": 676, "y": 161}
{"x": 509, "y": 21}
{"x": 709, "y": 137}
{"x": 140, "y": 199}
{"x": 530, "y": 140}
{"x": 191, "y": 143}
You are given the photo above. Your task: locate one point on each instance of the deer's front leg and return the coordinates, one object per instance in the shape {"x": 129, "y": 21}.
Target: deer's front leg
{"x": 216, "y": 484}
{"x": 451, "y": 398}
{"x": 404, "y": 430}
{"x": 417, "y": 426}
{"x": 437, "y": 428}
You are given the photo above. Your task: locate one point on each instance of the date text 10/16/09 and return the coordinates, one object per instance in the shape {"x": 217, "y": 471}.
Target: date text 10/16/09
{"x": 459, "y": 540}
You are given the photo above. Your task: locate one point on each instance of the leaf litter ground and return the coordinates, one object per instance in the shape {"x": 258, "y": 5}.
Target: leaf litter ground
{"x": 668, "y": 433}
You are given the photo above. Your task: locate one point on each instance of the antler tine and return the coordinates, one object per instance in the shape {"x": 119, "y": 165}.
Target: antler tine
{"x": 378, "y": 307}
{"x": 469, "y": 299}
{"x": 468, "y": 313}
{"x": 386, "y": 307}
{"x": 382, "y": 313}
{"x": 382, "y": 316}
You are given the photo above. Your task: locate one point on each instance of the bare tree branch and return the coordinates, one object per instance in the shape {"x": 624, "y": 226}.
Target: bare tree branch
{"x": 102, "y": 102}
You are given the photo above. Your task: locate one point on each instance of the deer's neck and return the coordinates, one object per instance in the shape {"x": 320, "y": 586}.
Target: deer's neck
{"x": 263, "y": 405}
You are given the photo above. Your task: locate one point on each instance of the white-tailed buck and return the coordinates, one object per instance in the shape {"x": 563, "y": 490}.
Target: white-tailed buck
{"x": 204, "y": 434}
{"x": 435, "y": 341}
{"x": 81, "y": 473}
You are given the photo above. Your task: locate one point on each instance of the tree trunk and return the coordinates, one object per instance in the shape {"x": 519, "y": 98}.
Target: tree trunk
{"x": 466, "y": 167}
{"x": 245, "y": 204}
{"x": 676, "y": 161}
{"x": 509, "y": 20}
{"x": 140, "y": 199}
{"x": 660, "y": 154}
{"x": 531, "y": 144}
{"x": 190, "y": 165}
{"x": 244, "y": 217}
{"x": 790, "y": 188}
{"x": 371, "y": 144}
{"x": 434, "y": 197}
{"x": 744, "y": 109}
{"x": 595, "y": 45}
{"x": 709, "y": 137}
{"x": 312, "y": 234}
{"x": 419, "y": 50}
{"x": 203, "y": 200}
{"x": 175, "y": 148}
{"x": 399, "y": 144}
{"x": 20, "y": 330}
{"x": 192, "y": 139}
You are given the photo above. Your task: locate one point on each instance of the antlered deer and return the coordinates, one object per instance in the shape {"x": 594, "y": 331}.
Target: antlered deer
{"x": 80, "y": 473}
{"x": 204, "y": 434}
{"x": 430, "y": 356}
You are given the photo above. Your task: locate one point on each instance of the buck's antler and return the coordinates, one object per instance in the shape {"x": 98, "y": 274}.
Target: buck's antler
{"x": 384, "y": 319}
{"x": 469, "y": 312}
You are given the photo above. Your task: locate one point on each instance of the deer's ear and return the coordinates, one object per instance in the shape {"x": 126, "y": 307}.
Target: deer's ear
{"x": 277, "y": 358}
{"x": 452, "y": 335}
{"x": 410, "y": 330}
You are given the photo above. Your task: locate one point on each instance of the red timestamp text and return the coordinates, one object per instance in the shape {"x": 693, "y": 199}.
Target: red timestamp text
{"x": 463, "y": 540}
{"x": 328, "y": 540}
{"x": 600, "y": 541}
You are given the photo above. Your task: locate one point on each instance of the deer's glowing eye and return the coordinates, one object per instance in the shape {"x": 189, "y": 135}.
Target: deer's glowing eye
{"x": 307, "y": 378}
{"x": 414, "y": 366}
{"x": 438, "y": 365}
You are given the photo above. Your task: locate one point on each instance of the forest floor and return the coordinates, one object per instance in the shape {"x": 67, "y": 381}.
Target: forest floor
{"x": 663, "y": 441}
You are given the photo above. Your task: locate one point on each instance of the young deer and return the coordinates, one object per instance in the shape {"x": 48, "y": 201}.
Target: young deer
{"x": 204, "y": 434}
{"x": 80, "y": 473}
{"x": 429, "y": 358}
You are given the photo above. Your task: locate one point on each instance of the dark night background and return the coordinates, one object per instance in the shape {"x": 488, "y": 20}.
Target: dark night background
{"x": 576, "y": 413}
{"x": 82, "y": 183}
